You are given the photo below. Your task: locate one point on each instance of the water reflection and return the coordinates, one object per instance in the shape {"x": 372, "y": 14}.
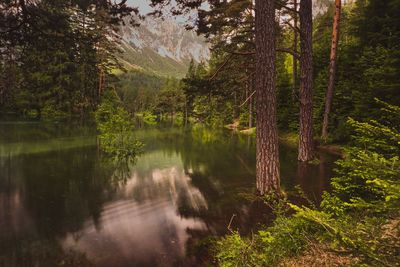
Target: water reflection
{"x": 142, "y": 225}
{"x": 63, "y": 203}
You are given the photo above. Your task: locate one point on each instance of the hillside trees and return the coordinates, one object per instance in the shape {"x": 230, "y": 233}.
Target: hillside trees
{"x": 170, "y": 100}
{"x": 138, "y": 90}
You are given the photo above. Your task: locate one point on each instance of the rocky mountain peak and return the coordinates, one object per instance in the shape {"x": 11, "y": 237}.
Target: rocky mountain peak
{"x": 167, "y": 38}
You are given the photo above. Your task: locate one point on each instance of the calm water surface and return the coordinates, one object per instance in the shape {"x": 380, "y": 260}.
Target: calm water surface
{"x": 63, "y": 203}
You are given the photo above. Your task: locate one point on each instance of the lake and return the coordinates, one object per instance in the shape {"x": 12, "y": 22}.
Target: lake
{"x": 64, "y": 203}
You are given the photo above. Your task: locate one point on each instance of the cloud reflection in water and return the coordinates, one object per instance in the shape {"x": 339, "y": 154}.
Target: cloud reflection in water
{"x": 143, "y": 224}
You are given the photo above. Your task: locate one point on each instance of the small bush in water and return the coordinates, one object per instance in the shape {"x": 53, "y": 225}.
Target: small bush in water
{"x": 116, "y": 129}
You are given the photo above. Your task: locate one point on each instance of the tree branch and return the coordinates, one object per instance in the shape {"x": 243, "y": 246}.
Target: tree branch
{"x": 289, "y": 51}
{"x": 241, "y": 105}
{"x": 286, "y": 7}
{"x": 221, "y": 67}
{"x": 241, "y": 53}
{"x": 291, "y": 26}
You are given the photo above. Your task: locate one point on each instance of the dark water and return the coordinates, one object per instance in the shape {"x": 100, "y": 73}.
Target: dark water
{"x": 62, "y": 203}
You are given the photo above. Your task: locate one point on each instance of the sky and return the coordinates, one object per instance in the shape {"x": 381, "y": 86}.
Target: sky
{"x": 142, "y": 4}
{"x": 145, "y": 8}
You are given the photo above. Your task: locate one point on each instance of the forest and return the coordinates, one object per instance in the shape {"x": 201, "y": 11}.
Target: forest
{"x": 318, "y": 76}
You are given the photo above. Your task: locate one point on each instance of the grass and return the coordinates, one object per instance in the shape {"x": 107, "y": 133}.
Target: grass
{"x": 292, "y": 139}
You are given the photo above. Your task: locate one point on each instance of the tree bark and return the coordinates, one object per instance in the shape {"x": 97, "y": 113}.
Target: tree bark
{"x": 267, "y": 158}
{"x": 306, "y": 142}
{"x": 186, "y": 112}
{"x": 295, "y": 41}
{"x": 251, "y": 113}
{"x": 101, "y": 82}
{"x": 332, "y": 69}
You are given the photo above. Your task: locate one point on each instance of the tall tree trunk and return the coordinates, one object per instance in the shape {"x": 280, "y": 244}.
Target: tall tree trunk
{"x": 267, "y": 158}
{"x": 251, "y": 113}
{"x": 295, "y": 42}
{"x": 306, "y": 142}
{"x": 235, "y": 104}
{"x": 186, "y": 112}
{"x": 332, "y": 68}
{"x": 101, "y": 82}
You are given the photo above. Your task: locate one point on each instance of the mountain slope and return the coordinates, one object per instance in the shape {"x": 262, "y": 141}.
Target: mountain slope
{"x": 161, "y": 47}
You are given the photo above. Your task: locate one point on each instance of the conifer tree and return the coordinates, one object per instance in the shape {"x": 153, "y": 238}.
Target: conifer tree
{"x": 332, "y": 68}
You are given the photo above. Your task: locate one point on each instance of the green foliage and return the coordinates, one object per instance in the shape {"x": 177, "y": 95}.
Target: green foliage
{"x": 170, "y": 99}
{"x": 369, "y": 177}
{"x": 149, "y": 118}
{"x": 244, "y": 119}
{"x": 211, "y": 111}
{"x": 288, "y": 236}
{"x": 213, "y": 102}
{"x": 116, "y": 129}
{"x": 233, "y": 251}
{"x": 179, "y": 119}
{"x": 50, "y": 112}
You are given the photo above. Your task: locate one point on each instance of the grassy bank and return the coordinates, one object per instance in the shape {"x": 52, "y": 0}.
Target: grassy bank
{"x": 292, "y": 139}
